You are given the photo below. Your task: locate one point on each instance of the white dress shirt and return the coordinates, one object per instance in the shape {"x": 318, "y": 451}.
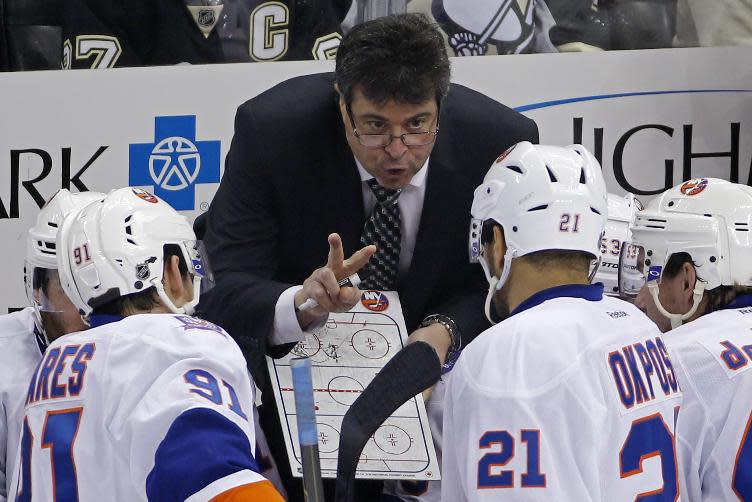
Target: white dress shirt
{"x": 286, "y": 328}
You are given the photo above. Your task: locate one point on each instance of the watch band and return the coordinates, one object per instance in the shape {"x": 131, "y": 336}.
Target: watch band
{"x": 450, "y": 326}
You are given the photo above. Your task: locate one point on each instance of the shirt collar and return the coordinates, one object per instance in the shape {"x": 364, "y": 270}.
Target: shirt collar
{"x": 417, "y": 181}
{"x": 739, "y": 302}
{"x": 102, "y": 319}
{"x": 590, "y": 292}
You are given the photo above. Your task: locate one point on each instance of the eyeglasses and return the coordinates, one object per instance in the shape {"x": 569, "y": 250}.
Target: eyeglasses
{"x": 384, "y": 140}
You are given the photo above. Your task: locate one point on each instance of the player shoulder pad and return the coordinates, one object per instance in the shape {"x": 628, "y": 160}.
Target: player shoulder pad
{"x": 531, "y": 351}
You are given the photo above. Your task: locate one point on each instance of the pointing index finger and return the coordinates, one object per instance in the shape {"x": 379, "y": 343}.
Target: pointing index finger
{"x": 336, "y": 254}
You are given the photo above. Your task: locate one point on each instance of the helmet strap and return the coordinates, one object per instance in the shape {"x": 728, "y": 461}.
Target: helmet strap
{"x": 495, "y": 284}
{"x": 189, "y": 307}
{"x": 678, "y": 319}
{"x": 597, "y": 267}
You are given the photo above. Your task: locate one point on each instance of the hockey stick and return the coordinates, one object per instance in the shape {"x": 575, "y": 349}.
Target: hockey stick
{"x": 307, "y": 435}
{"x": 411, "y": 371}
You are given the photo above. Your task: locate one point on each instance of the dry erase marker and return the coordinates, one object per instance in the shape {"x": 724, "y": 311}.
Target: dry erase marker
{"x": 352, "y": 281}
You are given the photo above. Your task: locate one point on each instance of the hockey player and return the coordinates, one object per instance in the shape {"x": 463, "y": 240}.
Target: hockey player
{"x": 150, "y": 403}
{"x": 24, "y": 334}
{"x": 571, "y": 396}
{"x": 693, "y": 245}
{"x": 621, "y": 212}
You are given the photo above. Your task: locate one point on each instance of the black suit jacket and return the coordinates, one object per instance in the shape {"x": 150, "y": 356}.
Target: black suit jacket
{"x": 290, "y": 180}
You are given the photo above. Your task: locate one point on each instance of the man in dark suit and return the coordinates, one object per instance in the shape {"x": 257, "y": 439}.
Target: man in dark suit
{"x": 307, "y": 165}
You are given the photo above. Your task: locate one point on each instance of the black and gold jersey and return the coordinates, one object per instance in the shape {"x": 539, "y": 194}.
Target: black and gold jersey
{"x": 117, "y": 33}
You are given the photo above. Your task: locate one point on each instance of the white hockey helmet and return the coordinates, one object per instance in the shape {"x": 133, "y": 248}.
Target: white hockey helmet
{"x": 41, "y": 254}
{"x": 545, "y": 198}
{"x": 621, "y": 214}
{"x": 115, "y": 247}
{"x": 708, "y": 218}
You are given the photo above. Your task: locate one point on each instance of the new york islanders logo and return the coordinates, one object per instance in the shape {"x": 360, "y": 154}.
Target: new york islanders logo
{"x": 503, "y": 155}
{"x": 375, "y": 301}
{"x": 694, "y": 186}
{"x": 144, "y": 195}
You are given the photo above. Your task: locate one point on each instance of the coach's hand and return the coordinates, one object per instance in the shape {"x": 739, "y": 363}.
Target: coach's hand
{"x": 322, "y": 285}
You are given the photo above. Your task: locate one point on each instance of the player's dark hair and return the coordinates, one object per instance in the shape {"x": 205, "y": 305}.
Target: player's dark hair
{"x": 146, "y": 300}
{"x": 400, "y": 58}
{"x": 40, "y": 279}
{"x": 717, "y": 297}
{"x": 577, "y": 261}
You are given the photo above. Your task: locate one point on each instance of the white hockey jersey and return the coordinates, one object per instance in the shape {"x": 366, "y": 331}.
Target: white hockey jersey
{"x": 573, "y": 397}
{"x": 712, "y": 356}
{"x": 20, "y": 351}
{"x": 151, "y": 407}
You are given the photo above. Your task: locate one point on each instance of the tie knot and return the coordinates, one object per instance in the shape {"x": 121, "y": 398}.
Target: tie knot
{"x": 384, "y": 195}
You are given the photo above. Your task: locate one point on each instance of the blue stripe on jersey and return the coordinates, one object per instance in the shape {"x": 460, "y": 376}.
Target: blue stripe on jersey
{"x": 739, "y": 302}
{"x": 102, "y": 319}
{"x": 450, "y": 362}
{"x": 201, "y": 447}
{"x": 590, "y": 292}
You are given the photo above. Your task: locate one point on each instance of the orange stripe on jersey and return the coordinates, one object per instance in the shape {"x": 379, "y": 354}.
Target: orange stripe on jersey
{"x": 252, "y": 492}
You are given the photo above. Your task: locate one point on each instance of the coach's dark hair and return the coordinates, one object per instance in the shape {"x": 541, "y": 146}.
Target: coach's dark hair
{"x": 400, "y": 58}
{"x": 146, "y": 300}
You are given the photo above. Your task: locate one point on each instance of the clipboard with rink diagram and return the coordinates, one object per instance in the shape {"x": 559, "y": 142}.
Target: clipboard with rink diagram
{"x": 346, "y": 353}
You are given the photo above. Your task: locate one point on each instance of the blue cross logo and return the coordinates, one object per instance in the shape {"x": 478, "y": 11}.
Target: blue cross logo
{"x": 175, "y": 162}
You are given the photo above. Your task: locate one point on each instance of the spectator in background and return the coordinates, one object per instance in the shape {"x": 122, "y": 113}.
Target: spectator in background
{"x": 583, "y": 25}
{"x": 535, "y": 26}
{"x": 469, "y": 28}
{"x": 312, "y": 156}
{"x": 30, "y": 35}
{"x": 509, "y": 27}
{"x": 109, "y": 33}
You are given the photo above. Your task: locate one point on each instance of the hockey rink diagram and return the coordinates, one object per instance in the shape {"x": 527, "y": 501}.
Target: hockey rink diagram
{"x": 346, "y": 354}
